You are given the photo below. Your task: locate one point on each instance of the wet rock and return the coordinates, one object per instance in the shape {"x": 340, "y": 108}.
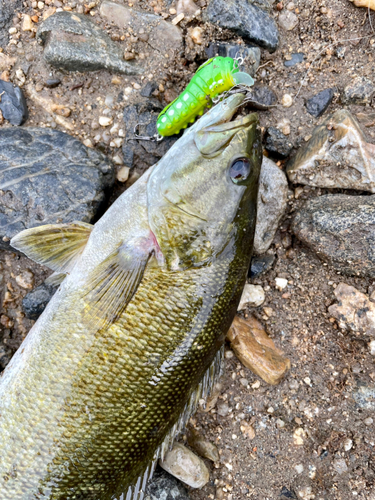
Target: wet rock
{"x": 47, "y": 177}
{"x": 295, "y": 58}
{"x": 354, "y": 310}
{"x": 161, "y": 35}
{"x": 252, "y": 296}
{"x": 186, "y": 466}
{"x": 277, "y": 143}
{"x": 163, "y": 486}
{"x": 261, "y": 97}
{"x": 359, "y": 91}
{"x": 36, "y": 301}
{"x": 143, "y": 154}
{"x": 341, "y": 230}
{"x": 246, "y": 20}
{"x": 7, "y": 10}
{"x": 250, "y": 54}
{"x": 74, "y": 43}
{"x": 272, "y": 201}
{"x": 256, "y": 350}
{"x": 337, "y": 156}
{"x": 260, "y": 264}
{"x": 317, "y": 104}
{"x": 12, "y": 103}
{"x": 288, "y": 20}
{"x": 204, "y": 448}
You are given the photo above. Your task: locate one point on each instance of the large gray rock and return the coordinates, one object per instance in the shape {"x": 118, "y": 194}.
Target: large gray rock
{"x": 245, "y": 19}
{"x": 337, "y": 156}
{"x": 75, "y": 43}
{"x": 7, "y": 12}
{"x": 272, "y": 201}
{"x": 47, "y": 177}
{"x": 13, "y": 103}
{"x": 341, "y": 230}
{"x": 160, "y": 34}
{"x": 163, "y": 486}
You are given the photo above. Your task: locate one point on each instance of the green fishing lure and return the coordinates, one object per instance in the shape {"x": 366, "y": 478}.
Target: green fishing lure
{"x": 215, "y": 76}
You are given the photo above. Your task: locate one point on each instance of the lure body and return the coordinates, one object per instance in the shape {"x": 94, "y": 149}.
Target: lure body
{"x": 215, "y": 76}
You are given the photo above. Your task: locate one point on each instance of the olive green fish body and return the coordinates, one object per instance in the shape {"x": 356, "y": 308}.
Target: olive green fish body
{"x": 89, "y": 398}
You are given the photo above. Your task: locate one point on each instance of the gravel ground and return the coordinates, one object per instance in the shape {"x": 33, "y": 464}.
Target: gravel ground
{"x": 310, "y": 437}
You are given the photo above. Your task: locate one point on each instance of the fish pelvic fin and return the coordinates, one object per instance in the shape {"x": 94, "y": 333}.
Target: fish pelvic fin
{"x": 57, "y": 246}
{"x": 114, "y": 282}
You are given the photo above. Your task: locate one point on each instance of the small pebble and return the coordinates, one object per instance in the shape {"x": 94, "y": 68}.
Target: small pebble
{"x": 223, "y": 409}
{"x": 128, "y": 56}
{"x": 247, "y": 430}
{"x": 287, "y": 100}
{"x": 372, "y": 347}
{"x": 368, "y": 421}
{"x": 299, "y": 468}
{"x": 88, "y": 143}
{"x": 25, "y": 279}
{"x": 298, "y": 436}
{"x": 288, "y": 20}
{"x": 255, "y": 385}
{"x": 178, "y": 18}
{"x": 117, "y": 160}
{"x": 252, "y": 295}
{"x": 280, "y": 423}
{"x": 348, "y": 444}
{"x": 123, "y": 174}
{"x": 281, "y": 283}
{"x": 27, "y": 24}
{"x": 105, "y": 121}
{"x": 196, "y": 35}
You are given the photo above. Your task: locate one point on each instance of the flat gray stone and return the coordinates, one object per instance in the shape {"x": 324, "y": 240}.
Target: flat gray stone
{"x": 74, "y": 43}
{"x": 272, "y": 201}
{"x": 48, "y": 177}
{"x": 340, "y": 229}
{"x": 245, "y": 19}
{"x": 337, "y": 156}
{"x": 162, "y": 35}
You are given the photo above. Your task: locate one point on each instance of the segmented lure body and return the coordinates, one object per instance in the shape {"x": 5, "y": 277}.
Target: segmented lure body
{"x": 215, "y": 76}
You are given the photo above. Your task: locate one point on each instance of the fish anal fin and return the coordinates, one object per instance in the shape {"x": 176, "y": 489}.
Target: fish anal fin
{"x": 57, "y": 246}
{"x": 113, "y": 282}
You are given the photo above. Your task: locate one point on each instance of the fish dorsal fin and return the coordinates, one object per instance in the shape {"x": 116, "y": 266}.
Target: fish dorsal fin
{"x": 57, "y": 246}
{"x": 113, "y": 282}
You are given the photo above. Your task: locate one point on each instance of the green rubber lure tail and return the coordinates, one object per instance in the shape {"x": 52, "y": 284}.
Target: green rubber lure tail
{"x": 215, "y": 76}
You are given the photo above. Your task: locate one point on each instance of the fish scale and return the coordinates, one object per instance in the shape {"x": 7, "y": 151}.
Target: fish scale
{"x": 90, "y": 401}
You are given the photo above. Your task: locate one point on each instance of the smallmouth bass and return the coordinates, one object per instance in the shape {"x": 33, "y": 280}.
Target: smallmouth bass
{"x": 113, "y": 367}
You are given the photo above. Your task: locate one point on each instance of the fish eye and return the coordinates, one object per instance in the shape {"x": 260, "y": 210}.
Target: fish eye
{"x": 239, "y": 170}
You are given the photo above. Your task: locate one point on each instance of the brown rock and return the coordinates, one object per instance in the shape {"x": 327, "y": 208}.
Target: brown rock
{"x": 354, "y": 310}
{"x": 337, "y": 156}
{"x": 256, "y": 350}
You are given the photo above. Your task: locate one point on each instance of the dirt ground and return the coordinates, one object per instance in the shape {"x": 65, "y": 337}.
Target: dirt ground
{"x": 315, "y": 406}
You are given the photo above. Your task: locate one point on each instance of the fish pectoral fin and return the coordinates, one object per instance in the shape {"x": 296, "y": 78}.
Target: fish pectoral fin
{"x": 55, "y": 279}
{"x": 57, "y": 246}
{"x": 114, "y": 282}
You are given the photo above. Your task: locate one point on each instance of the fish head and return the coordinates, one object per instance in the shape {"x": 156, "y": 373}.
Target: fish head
{"x": 202, "y": 194}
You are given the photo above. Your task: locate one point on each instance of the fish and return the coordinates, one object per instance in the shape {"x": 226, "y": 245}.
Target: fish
{"x": 132, "y": 339}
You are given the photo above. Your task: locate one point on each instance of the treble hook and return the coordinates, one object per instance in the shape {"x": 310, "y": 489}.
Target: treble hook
{"x": 137, "y": 137}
